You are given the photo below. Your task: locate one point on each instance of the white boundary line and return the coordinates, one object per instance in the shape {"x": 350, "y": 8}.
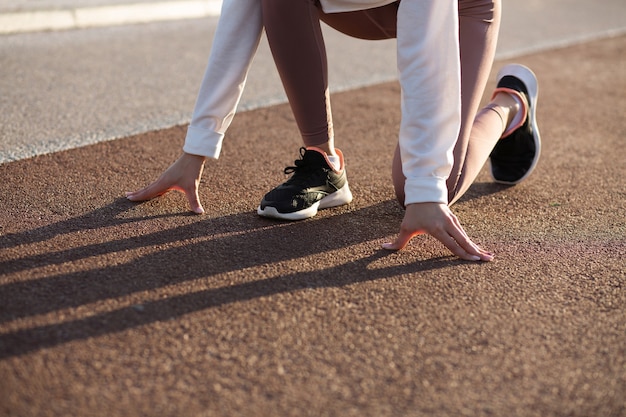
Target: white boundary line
{"x": 562, "y": 43}
{"x": 85, "y": 17}
{"x": 172, "y": 10}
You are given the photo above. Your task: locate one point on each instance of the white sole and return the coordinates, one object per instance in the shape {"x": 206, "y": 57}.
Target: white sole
{"x": 338, "y": 198}
{"x": 530, "y": 81}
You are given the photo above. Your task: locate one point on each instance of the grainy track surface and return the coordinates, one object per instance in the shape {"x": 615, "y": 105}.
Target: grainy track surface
{"x": 109, "y": 308}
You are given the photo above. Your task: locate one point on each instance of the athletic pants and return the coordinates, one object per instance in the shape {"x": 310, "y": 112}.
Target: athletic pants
{"x": 295, "y": 37}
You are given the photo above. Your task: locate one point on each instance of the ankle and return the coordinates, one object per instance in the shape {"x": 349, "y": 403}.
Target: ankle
{"x": 333, "y": 158}
{"x": 326, "y": 148}
{"x": 514, "y": 107}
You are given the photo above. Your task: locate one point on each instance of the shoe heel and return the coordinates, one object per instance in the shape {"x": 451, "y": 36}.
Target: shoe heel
{"x": 338, "y": 198}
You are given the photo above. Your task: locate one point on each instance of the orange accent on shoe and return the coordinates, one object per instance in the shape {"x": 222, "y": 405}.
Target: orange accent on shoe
{"x": 330, "y": 164}
{"x": 517, "y": 121}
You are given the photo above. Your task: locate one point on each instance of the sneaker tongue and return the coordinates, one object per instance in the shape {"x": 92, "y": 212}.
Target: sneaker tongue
{"x": 315, "y": 157}
{"x": 310, "y": 163}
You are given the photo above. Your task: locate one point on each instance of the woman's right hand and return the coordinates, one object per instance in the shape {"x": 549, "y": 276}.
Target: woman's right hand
{"x": 183, "y": 175}
{"x": 437, "y": 220}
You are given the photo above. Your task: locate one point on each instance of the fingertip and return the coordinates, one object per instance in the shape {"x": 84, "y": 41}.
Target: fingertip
{"x": 388, "y": 246}
{"x": 488, "y": 257}
{"x": 393, "y": 246}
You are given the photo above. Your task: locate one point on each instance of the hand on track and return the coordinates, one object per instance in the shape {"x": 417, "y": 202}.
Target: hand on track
{"x": 183, "y": 175}
{"x": 438, "y": 221}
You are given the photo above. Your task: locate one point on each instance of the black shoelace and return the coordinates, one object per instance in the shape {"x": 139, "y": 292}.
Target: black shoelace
{"x": 303, "y": 171}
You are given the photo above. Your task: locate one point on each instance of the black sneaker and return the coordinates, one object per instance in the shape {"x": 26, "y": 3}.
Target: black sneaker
{"x": 515, "y": 156}
{"x": 314, "y": 185}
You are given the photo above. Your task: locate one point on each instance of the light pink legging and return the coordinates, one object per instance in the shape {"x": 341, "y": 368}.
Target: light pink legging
{"x": 295, "y": 37}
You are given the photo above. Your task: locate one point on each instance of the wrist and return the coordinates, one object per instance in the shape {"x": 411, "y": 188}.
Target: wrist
{"x": 192, "y": 156}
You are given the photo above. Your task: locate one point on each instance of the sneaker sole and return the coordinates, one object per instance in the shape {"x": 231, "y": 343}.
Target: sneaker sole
{"x": 530, "y": 80}
{"x": 338, "y": 198}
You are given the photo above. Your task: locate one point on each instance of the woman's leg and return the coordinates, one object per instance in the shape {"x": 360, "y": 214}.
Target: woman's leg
{"x": 372, "y": 24}
{"x": 295, "y": 37}
{"x": 479, "y": 22}
{"x": 294, "y": 33}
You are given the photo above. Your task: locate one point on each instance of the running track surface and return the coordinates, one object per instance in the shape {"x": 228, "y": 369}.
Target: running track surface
{"x": 109, "y": 308}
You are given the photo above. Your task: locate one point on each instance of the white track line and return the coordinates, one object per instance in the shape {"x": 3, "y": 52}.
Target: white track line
{"x": 85, "y": 17}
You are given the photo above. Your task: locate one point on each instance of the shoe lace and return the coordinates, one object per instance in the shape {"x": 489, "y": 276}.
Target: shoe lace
{"x": 302, "y": 171}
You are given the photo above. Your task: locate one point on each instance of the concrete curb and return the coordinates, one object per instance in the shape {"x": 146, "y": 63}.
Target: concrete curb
{"x": 85, "y": 17}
